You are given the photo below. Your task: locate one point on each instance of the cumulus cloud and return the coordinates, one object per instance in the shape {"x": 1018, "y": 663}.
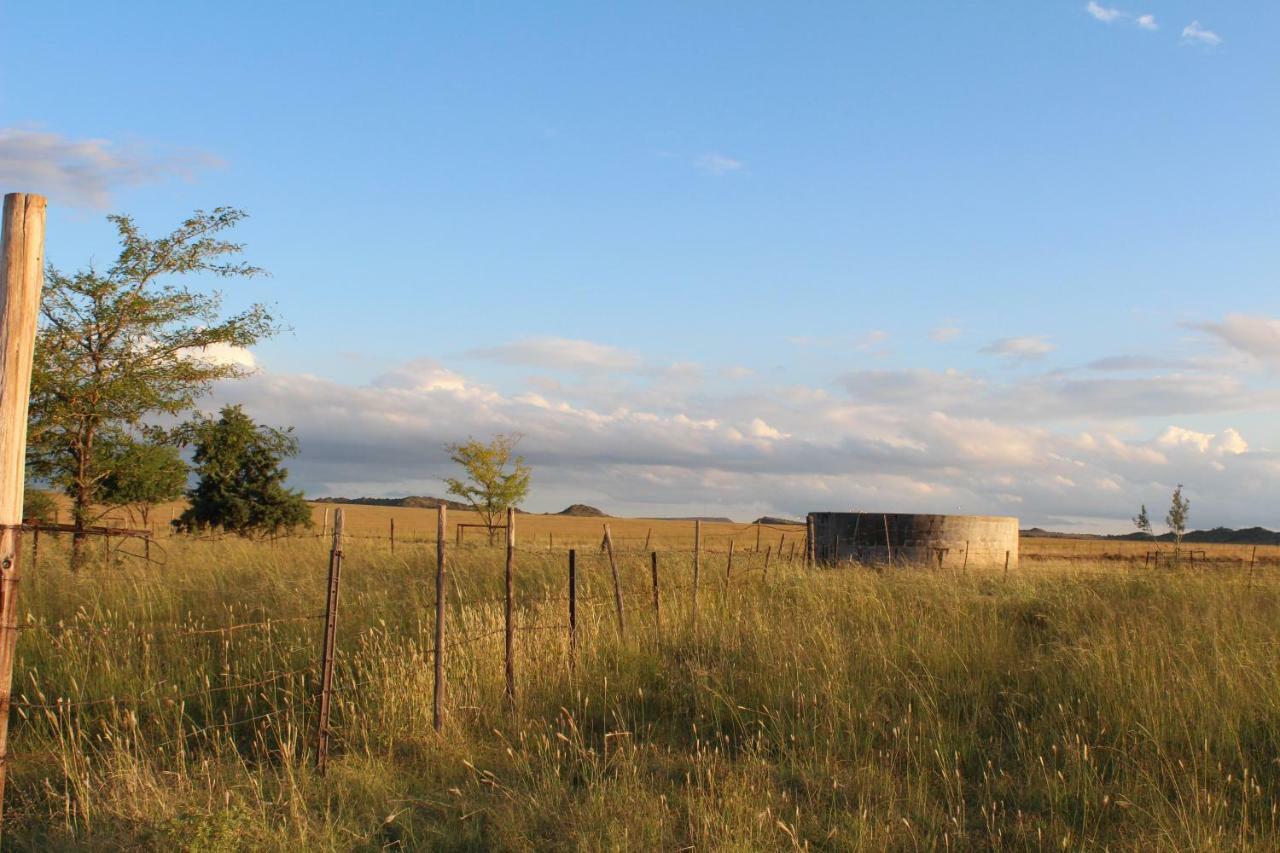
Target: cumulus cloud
{"x": 560, "y": 354}
{"x": 1197, "y": 34}
{"x": 901, "y": 440}
{"x": 1251, "y": 334}
{"x": 1103, "y": 13}
{"x": 85, "y": 172}
{"x": 715, "y": 163}
{"x": 1025, "y": 348}
{"x": 1147, "y": 22}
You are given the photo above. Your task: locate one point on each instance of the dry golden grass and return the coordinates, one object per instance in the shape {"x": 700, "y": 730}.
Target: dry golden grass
{"x": 1068, "y": 705}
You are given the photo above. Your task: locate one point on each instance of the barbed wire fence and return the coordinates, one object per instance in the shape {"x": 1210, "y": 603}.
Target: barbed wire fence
{"x": 318, "y": 680}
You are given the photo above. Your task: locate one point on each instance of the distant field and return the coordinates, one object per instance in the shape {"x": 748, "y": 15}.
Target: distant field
{"x": 558, "y": 531}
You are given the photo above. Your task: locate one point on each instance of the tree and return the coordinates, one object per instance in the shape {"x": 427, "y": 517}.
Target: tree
{"x": 38, "y": 505}
{"x": 241, "y": 484}
{"x": 1179, "y": 511}
{"x": 1143, "y": 522}
{"x": 140, "y": 475}
{"x": 489, "y": 487}
{"x": 119, "y": 346}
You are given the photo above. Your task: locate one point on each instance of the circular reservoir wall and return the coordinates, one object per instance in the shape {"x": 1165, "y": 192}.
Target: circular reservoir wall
{"x": 948, "y": 541}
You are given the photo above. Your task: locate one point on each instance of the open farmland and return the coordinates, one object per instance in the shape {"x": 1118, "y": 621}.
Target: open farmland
{"x": 1072, "y": 703}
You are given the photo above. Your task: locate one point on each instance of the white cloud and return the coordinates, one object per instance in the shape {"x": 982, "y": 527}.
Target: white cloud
{"x": 942, "y": 334}
{"x": 1024, "y": 348}
{"x": 1147, "y": 22}
{"x": 714, "y": 163}
{"x": 947, "y": 441}
{"x": 560, "y": 354}
{"x": 226, "y": 354}
{"x": 1103, "y": 13}
{"x": 1193, "y": 32}
{"x": 1252, "y": 334}
{"x": 85, "y": 172}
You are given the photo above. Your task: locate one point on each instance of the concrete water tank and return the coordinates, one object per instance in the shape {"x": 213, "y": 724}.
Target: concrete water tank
{"x": 947, "y": 541}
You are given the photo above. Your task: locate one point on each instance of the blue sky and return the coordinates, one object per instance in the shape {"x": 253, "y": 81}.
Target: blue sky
{"x": 1001, "y": 257}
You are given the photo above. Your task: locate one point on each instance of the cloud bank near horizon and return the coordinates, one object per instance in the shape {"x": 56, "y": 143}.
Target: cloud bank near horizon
{"x": 1059, "y": 447}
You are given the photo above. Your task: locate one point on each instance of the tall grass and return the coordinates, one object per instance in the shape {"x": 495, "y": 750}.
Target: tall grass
{"x": 837, "y": 709}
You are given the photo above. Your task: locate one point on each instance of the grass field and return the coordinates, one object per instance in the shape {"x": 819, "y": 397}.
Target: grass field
{"x": 561, "y": 532}
{"x": 1072, "y": 704}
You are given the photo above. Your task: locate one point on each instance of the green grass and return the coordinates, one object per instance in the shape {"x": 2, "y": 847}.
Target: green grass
{"x": 1095, "y": 707}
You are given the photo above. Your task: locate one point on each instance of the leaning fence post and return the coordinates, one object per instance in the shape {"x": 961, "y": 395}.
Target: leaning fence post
{"x": 393, "y": 536}
{"x": 657, "y": 607}
{"x": 697, "y": 568}
{"x": 647, "y": 537}
{"x": 1252, "y": 557}
{"x": 510, "y": 604}
{"x": 327, "y": 649}
{"x": 728, "y": 566}
{"x": 437, "y": 704}
{"x": 757, "y": 537}
{"x": 617, "y": 582}
{"x": 573, "y": 607}
{"x": 809, "y": 544}
{"x": 965, "y": 566}
{"x": 888, "y": 543}
{"x": 21, "y": 278}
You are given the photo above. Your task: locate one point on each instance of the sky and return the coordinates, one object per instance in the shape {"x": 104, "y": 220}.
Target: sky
{"x": 719, "y": 259}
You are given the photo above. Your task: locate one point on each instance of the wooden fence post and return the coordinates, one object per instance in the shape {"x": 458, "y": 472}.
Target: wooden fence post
{"x": 757, "y": 537}
{"x": 21, "y": 278}
{"x": 888, "y": 543}
{"x": 573, "y": 608}
{"x": 728, "y": 566}
{"x": 697, "y": 568}
{"x": 510, "y": 605}
{"x": 617, "y": 582}
{"x": 809, "y": 544}
{"x": 324, "y": 526}
{"x": 437, "y": 704}
{"x": 327, "y": 649}
{"x": 965, "y": 566}
{"x": 657, "y": 607}
{"x": 647, "y": 536}
{"x": 393, "y": 536}
{"x": 767, "y": 552}
{"x": 1252, "y": 557}
{"x": 1006, "y": 565}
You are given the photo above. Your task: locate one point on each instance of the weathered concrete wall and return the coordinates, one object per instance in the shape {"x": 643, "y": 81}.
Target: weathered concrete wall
{"x": 926, "y": 540}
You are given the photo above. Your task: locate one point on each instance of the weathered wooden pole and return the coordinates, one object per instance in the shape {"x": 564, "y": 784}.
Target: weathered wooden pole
{"x": 437, "y": 703}
{"x": 657, "y": 606}
{"x": 1006, "y": 565}
{"x": 647, "y": 537}
{"x": 393, "y": 536}
{"x": 809, "y": 544}
{"x": 728, "y": 566}
{"x": 509, "y": 610}
{"x": 21, "y": 278}
{"x": 1252, "y": 557}
{"x": 573, "y": 607}
{"x": 697, "y": 568}
{"x": 328, "y": 647}
{"x": 617, "y": 581}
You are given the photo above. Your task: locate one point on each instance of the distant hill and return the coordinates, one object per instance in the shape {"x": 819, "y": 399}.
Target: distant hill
{"x": 412, "y": 502}
{"x": 770, "y": 519}
{"x": 1215, "y": 536}
{"x": 717, "y": 519}
{"x": 583, "y": 511}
